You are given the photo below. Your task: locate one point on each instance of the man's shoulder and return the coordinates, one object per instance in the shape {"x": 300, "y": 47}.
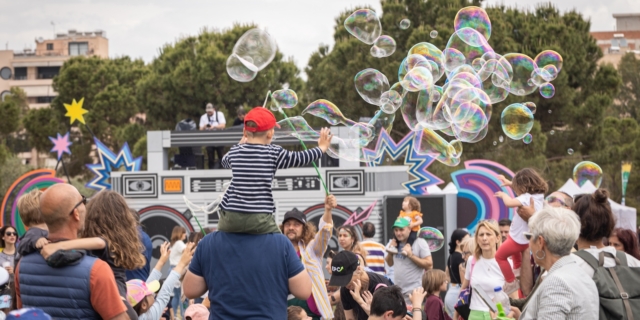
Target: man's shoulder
{"x": 372, "y": 244}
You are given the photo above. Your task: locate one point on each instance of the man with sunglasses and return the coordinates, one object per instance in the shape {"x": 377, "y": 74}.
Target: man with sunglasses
{"x": 63, "y": 292}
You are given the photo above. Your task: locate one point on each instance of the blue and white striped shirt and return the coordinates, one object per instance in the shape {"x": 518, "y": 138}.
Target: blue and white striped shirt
{"x": 253, "y": 167}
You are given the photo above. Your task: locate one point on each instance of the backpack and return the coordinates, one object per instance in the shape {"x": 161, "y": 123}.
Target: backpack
{"x": 617, "y": 301}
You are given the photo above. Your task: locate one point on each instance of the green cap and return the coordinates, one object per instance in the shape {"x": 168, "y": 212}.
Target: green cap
{"x": 401, "y": 223}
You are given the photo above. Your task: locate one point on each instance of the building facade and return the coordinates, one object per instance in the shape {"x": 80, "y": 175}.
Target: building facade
{"x": 626, "y": 38}
{"x": 33, "y": 70}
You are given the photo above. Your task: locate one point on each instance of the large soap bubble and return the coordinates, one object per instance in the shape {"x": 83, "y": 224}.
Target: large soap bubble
{"x": 251, "y": 53}
{"x": 371, "y": 84}
{"x": 384, "y": 46}
{"x": 475, "y": 18}
{"x": 517, "y": 121}
{"x": 364, "y": 24}
{"x": 283, "y": 99}
{"x": 587, "y": 171}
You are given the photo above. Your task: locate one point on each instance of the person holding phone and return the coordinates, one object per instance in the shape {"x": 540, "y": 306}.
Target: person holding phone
{"x": 213, "y": 120}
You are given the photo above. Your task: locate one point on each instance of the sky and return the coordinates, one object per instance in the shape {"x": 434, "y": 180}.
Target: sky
{"x": 138, "y": 28}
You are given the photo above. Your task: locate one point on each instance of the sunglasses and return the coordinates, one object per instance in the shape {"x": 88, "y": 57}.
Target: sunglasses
{"x": 83, "y": 201}
{"x": 554, "y": 199}
{"x": 9, "y": 234}
{"x": 528, "y": 235}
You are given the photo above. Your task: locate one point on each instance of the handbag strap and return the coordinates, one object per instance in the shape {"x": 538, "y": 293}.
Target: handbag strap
{"x": 473, "y": 264}
{"x": 624, "y": 295}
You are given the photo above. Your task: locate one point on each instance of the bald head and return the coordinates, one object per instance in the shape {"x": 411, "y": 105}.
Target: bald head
{"x": 57, "y": 203}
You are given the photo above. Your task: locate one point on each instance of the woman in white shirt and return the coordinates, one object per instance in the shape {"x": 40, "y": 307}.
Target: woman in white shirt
{"x": 178, "y": 235}
{"x": 482, "y": 271}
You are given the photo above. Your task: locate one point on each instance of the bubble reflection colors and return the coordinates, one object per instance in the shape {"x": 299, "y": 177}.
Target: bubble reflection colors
{"x": 522, "y": 67}
{"x": 296, "y": 127}
{"x": 384, "y": 46}
{"x": 531, "y": 106}
{"x": 417, "y": 79}
{"x": 405, "y": 24}
{"x": 328, "y": 111}
{"x": 256, "y": 47}
{"x": 370, "y": 84}
{"x": 428, "y": 142}
{"x": 549, "y": 58}
{"x": 283, "y": 99}
{"x": 464, "y": 46}
{"x": 570, "y": 151}
{"x": 587, "y": 171}
{"x": 528, "y": 138}
{"x": 364, "y": 24}
{"x": 237, "y": 69}
{"x": 475, "y": 18}
{"x": 433, "y": 34}
{"x": 516, "y": 120}
{"x": 547, "y": 90}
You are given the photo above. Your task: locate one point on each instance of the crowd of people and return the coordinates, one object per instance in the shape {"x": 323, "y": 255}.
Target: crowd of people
{"x": 84, "y": 259}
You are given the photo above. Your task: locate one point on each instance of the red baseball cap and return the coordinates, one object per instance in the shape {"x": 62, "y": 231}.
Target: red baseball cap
{"x": 262, "y": 117}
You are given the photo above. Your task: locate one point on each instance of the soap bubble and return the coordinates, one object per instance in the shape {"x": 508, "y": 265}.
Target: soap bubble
{"x": 587, "y": 171}
{"x": 433, "y": 236}
{"x": 417, "y": 79}
{"x": 283, "y": 98}
{"x": 428, "y": 142}
{"x": 433, "y": 55}
{"x": 328, "y": 111}
{"x": 527, "y": 138}
{"x": 570, "y": 151}
{"x": 495, "y": 143}
{"x": 384, "y": 46}
{"x": 405, "y": 24}
{"x": 370, "y": 84}
{"x": 296, "y": 127}
{"x": 433, "y": 34}
{"x": 531, "y": 106}
{"x": 464, "y": 46}
{"x": 364, "y": 24}
{"x": 552, "y": 132}
{"x": 549, "y": 58}
{"x": 550, "y": 111}
{"x": 501, "y": 139}
{"x": 523, "y": 67}
{"x": 475, "y": 18}
{"x": 240, "y": 70}
{"x": 547, "y": 90}
{"x": 391, "y": 100}
{"x": 516, "y": 120}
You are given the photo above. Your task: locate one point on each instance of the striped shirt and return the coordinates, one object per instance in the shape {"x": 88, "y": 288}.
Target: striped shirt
{"x": 311, "y": 256}
{"x": 375, "y": 256}
{"x": 253, "y": 167}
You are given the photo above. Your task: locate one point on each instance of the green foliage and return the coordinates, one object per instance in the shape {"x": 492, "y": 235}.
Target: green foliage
{"x": 628, "y": 103}
{"x": 192, "y": 72}
{"x": 10, "y": 170}
{"x": 41, "y": 124}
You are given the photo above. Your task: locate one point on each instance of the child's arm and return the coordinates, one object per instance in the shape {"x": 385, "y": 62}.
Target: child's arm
{"x": 508, "y": 201}
{"x": 505, "y": 182}
{"x": 77, "y": 244}
{"x": 165, "y": 250}
{"x": 289, "y": 159}
{"x": 418, "y": 221}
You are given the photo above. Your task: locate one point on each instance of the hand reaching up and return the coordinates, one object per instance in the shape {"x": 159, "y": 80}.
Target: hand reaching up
{"x": 325, "y": 139}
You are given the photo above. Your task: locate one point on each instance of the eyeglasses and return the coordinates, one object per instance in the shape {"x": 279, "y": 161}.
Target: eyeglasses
{"x": 528, "y": 235}
{"x": 552, "y": 199}
{"x": 83, "y": 201}
{"x": 9, "y": 234}
{"x": 466, "y": 253}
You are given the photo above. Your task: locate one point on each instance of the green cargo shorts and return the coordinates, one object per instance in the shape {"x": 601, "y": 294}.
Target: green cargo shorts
{"x": 252, "y": 223}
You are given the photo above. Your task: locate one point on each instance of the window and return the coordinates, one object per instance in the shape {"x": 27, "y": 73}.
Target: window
{"x": 5, "y": 73}
{"x": 48, "y": 72}
{"x": 20, "y": 73}
{"x": 44, "y": 99}
{"x": 78, "y": 48}
{"x": 49, "y": 46}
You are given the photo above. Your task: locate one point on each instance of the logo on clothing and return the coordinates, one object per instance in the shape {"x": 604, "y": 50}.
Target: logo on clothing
{"x": 337, "y": 269}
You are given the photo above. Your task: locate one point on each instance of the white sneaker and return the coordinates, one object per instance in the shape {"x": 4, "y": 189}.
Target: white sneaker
{"x": 511, "y": 287}
{"x": 516, "y": 272}
{"x": 392, "y": 250}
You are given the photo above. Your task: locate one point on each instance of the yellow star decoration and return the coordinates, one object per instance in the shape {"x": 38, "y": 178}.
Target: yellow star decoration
{"x": 75, "y": 111}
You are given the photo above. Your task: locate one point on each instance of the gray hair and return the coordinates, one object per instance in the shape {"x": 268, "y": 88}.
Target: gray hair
{"x": 559, "y": 227}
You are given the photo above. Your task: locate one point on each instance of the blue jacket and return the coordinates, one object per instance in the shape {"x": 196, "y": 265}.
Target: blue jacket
{"x": 61, "y": 292}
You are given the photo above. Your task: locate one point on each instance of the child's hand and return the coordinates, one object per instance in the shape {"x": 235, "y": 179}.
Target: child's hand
{"x": 49, "y": 249}
{"x": 501, "y": 195}
{"x": 41, "y": 243}
{"x": 330, "y": 202}
{"x": 407, "y": 250}
{"x": 187, "y": 254}
{"x": 355, "y": 293}
{"x": 505, "y": 182}
{"x": 417, "y": 296}
{"x": 325, "y": 139}
{"x": 164, "y": 251}
{"x": 367, "y": 297}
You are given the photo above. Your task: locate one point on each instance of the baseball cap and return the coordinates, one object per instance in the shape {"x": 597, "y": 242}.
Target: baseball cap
{"x": 295, "y": 214}
{"x": 138, "y": 289}
{"x": 209, "y": 107}
{"x": 264, "y": 119}
{"x": 401, "y": 223}
{"x": 28, "y": 314}
{"x": 343, "y": 265}
{"x": 196, "y": 312}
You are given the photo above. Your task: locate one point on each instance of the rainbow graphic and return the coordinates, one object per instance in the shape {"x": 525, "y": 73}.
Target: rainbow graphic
{"x": 40, "y": 179}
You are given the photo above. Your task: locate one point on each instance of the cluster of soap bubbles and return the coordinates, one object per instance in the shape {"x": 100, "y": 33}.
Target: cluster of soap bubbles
{"x": 587, "y": 171}
{"x": 365, "y": 25}
{"x": 474, "y": 77}
{"x": 251, "y": 53}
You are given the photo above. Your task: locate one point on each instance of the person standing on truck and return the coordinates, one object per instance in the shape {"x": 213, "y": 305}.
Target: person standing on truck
{"x": 213, "y": 120}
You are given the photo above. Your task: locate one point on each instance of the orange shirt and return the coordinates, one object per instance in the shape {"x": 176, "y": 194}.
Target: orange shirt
{"x": 413, "y": 215}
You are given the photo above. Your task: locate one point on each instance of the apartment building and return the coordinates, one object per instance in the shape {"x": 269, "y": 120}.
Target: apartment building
{"x": 33, "y": 70}
{"x": 616, "y": 43}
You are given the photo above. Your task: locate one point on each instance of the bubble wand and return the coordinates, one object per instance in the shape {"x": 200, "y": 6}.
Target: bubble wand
{"x": 301, "y": 142}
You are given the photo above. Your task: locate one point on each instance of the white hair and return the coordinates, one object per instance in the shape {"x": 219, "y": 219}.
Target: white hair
{"x": 559, "y": 227}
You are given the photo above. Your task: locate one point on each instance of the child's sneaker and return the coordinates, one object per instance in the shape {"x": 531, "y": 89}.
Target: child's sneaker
{"x": 392, "y": 250}
{"x": 511, "y": 287}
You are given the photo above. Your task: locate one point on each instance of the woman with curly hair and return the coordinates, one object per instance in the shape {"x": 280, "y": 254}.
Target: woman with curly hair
{"x": 110, "y": 232}
{"x": 625, "y": 240}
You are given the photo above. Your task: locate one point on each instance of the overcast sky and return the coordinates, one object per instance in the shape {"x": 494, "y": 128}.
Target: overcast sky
{"x": 137, "y": 28}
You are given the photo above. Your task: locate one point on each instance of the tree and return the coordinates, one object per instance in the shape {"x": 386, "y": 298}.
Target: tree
{"x": 629, "y": 98}
{"x": 192, "y": 72}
